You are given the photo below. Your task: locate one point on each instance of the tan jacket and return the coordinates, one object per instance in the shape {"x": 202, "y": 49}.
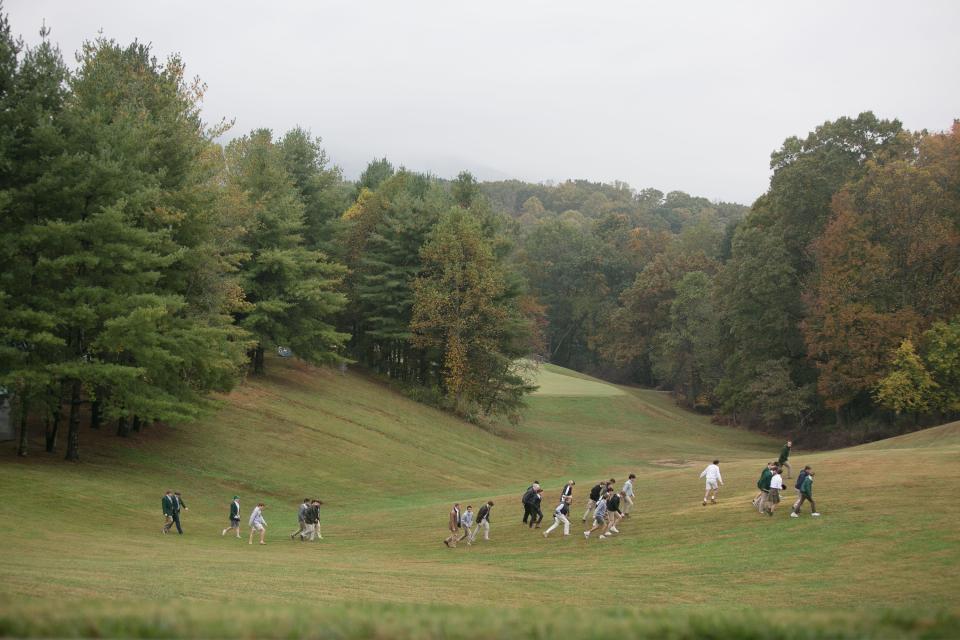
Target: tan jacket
{"x": 454, "y": 520}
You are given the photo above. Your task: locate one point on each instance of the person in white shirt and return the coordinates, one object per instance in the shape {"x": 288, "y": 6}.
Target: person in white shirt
{"x": 627, "y": 493}
{"x": 560, "y": 517}
{"x": 257, "y": 523}
{"x": 714, "y": 482}
{"x": 773, "y": 498}
{"x": 466, "y": 522}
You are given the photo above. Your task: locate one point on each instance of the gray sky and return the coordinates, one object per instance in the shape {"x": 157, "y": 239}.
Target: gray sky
{"x": 668, "y": 94}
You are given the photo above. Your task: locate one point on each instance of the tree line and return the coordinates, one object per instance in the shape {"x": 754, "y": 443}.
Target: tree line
{"x": 830, "y": 307}
{"x": 145, "y": 264}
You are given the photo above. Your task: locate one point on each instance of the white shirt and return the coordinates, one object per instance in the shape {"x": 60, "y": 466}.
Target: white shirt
{"x": 257, "y": 517}
{"x": 712, "y": 472}
{"x": 628, "y": 488}
{"x": 776, "y": 482}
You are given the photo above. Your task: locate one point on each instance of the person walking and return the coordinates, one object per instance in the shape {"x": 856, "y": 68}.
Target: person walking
{"x": 613, "y": 515}
{"x": 234, "y": 517}
{"x": 536, "y": 515}
{"x": 258, "y": 523}
{"x": 763, "y": 484}
{"x": 806, "y": 495}
{"x": 595, "y": 494}
{"x": 178, "y": 505}
{"x": 483, "y": 521}
{"x": 773, "y": 495}
{"x": 301, "y": 521}
{"x": 454, "y": 526}
{"x": 627, "y": 492}
{"x": 560, "y": 517}
{"x": 784, "y": 455}
{"x": 466, "y": 522}
{"x": 311, "y": 519}
{"x": 799, "y": 484}
{"x": 528, "y": 498}
{"x": 714, "y": 482}
{"x": 599, "y": 515}
{"x": 567, "y": 494}
{"x": 166, "y": 503}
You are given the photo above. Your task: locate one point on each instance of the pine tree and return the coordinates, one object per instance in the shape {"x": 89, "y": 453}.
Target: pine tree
{"x": 292, "y": 290}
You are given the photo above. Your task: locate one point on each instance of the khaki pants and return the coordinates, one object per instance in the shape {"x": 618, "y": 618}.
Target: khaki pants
{"x": 486, "y": 531}
{"x": 557, "y": 519}
{"x": 627, "y": 504}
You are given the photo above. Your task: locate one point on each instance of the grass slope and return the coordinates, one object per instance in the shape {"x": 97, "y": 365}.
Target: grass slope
{"x": 84, "y": 552}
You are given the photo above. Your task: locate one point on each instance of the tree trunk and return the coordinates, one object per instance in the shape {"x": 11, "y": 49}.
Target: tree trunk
{"x": 22, "y": 445}
{"x": 258, "y": 359}
{"x": 73, "y": 424}
{"x": 123, "y": 429}
{"x": 95, "y": 414}
{"x": 52, "y": 431}
{"x": 136, "y": 423}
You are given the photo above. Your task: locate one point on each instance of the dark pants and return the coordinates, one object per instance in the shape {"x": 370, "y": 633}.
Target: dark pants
{"x": 536, "y": 515}
{"x": 175, "y": 521}
{"x": 527, "y": 512}
{"x": 805, "y": 498}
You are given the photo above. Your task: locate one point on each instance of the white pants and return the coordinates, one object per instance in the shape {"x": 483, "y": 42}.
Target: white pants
{"x": 486, "y": 531}
{"x": 557, "y": 519}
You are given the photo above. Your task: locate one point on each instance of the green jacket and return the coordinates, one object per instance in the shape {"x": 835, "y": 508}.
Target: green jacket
{"x": 807, "y": 487}
{"x": 234, "y": 511}
{"x": 166, "y": 503}
{"x": 784, "y": 454}
{"x": 764, "y": 482}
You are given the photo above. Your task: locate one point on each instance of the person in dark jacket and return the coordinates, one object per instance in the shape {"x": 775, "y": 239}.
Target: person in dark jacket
{"x": 595, "y": 494}
{"x": 613, "y": 514}
{"x": 806, "y": 494}
{"x": 234, "y": 517}
{"x": 536, "y": 514}
{"x": 166, "y": 503}
{"x": 784, "y": 455}
{"x": 311, "y": 520}
{"x": 528, "y": 499}
{"x": 178, "y": 505}
{"x": 763, "y": 484}
{"x": 483, "y": 521}
{"x": 800, "y": 478}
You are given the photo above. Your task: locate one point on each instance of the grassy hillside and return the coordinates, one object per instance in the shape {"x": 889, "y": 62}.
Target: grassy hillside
{"x": 84, "y": 549}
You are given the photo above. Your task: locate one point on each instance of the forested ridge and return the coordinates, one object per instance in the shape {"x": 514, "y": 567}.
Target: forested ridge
{"x": 149, "y": 259}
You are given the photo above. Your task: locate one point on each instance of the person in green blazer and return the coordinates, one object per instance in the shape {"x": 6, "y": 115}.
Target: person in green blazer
{"x": 763, "y": 484}
{"x": 784, "y": 455}
{"x": 234, "y": 517}
{"x": 806, "y": 495}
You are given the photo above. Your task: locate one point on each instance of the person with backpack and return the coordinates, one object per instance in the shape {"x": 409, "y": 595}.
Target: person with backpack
{"x": 234, "y": 517}
{"x": 784, "y": 455}
{"x": 301, "y": 522}
{"x": 528, "y": 499}
{"x": 560, "y": 517}
{"x": 806, "y": 495}
{"x": 258, "y": 523}
{"x": 453, "y": 524}
{"x": 483, "y": 521}
{"x": 595, "y": 494}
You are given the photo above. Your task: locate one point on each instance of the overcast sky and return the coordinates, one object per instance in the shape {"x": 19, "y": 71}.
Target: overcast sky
{"x": 668, "y": 94}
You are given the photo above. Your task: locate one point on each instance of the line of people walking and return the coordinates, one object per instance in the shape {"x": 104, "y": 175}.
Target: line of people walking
{"x": 770, "y": 485}
{"x": 461, "y": 524}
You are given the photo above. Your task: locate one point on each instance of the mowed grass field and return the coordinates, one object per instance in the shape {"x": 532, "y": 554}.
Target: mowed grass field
{"x": 83, "y": 553}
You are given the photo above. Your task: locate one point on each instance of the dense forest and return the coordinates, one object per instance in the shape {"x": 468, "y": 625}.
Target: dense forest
{"x": 149, "y": 259}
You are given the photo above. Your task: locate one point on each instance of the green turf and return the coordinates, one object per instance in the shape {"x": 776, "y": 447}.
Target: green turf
{"x": 84, "y": 540}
